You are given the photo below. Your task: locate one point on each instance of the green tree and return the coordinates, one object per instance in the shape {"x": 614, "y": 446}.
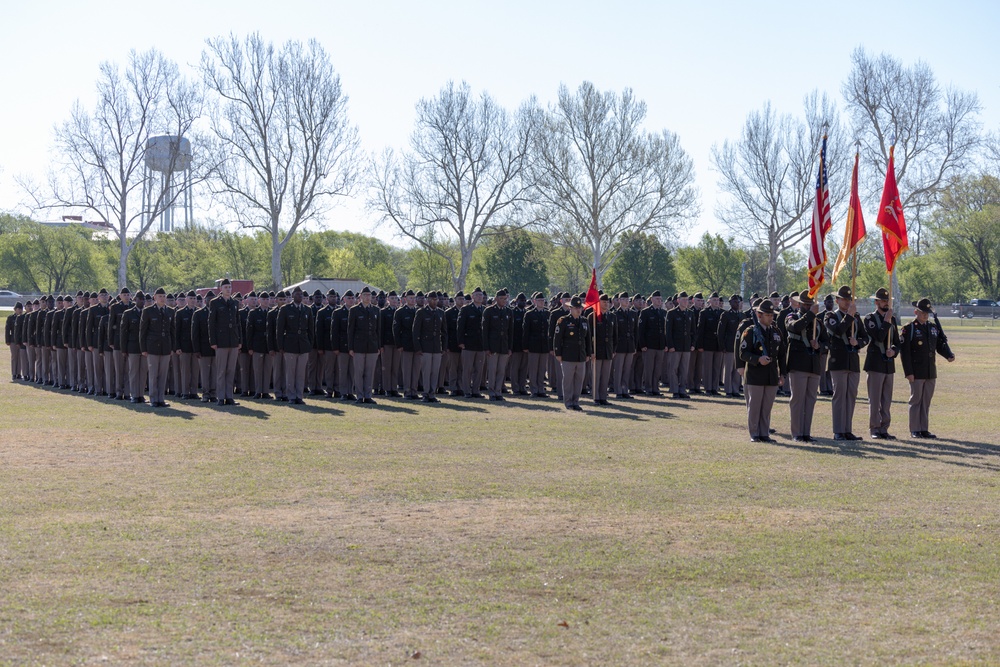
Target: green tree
{"x": 642, "y": 265}
{"x": 966, "y": 226}
{"x": 39, "y": 258}
{"x": 713, "y": 265}
{"x": 511, "y": 260}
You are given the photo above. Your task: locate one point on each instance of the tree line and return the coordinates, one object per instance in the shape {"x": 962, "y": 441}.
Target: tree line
{"x": 574, "y": 184}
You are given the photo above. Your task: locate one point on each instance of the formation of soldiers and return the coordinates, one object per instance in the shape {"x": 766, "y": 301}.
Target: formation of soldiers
{"x": 286, "y": 345}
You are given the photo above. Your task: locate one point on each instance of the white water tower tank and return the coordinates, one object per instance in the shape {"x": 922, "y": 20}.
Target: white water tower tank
{"x": 168, "y": 153}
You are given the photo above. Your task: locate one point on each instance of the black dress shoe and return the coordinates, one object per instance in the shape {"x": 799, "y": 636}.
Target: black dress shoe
{"x": 134, "y": 401}
{"x": 888, "y": 436}
{"x": 266, "y": 397}
{"x": 369, "y": 401}
{"x": 206, "y": 398}
{"x": 928, "y": 435}
{"x": 839, "y": 436}
{"x": 298, "y": 401}
{"x": 164, "y": 404}
{"x": 359, "y": 400}
{"x": 754, "y": 438}
{"x": 348, "y": 397}
{"x": 772, "y": 430}
{"x": 685, "y": 395}
{"x": 876, "y": 436}
{"x": 427, "y": 399}
{"x": 851, "y": 436}
{"x": 475, "y": 395}
{"x": 916, "y": 434}
{"x": 800, "y": 438}
{"x": 576, "y": 408}
{"x": 764, "y": 438}
{"x": 457, "y": 392}
{"x": 541, "y": 395}
{"x": 220, "y": 401}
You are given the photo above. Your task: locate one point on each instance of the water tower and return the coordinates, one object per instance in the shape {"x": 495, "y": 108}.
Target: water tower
{"x": 168, "y": 171}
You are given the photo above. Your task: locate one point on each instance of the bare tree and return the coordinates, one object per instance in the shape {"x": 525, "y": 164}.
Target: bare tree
{"x": 101, "y": 153}
{"x": 769, "y": 176}
{"x": 600, "y": 176}
{"x": 461, "y": 180}
{"x": 285, "y": 148}
{"x": 936, "y": 132}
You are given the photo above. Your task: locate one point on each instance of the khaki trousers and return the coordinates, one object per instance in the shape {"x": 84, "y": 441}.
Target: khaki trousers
{"x": 15, "y": 361}
{"x": 694, "y": 376}
{"x": 825, "y": 383}
{"x": 278, "y": 374}
{"x": 803, "y": 404}
{"x": 573, "y": 372}
{"x": 879, "y": 401}
{"x": 244, "y": 371}
{"x": 137, "y": 370}
{"x": 621, "y": 370}
{"x": 602, "y": 368}
{"x": 225, "y": 371}
{"x": 496, "y": 373}
{"x": 921, "y": 393}
{"x": 555, "y": 374}
{"x": 652, "y": 368}
{"x": 296, "y": 369}
{"x": 711, "y": 369}
{"x": 453, "y": 369}
{"x": 760, "y": 400}
{"x": 537, "y": 363}
{"x": 472, "y": 371}
{"x": 121, "y": 365}
{"x": 62, "y": 367}
{"x": 45, "y": 353}
{"x": 159, "y": 367}
{"x": 97, "y": 370}
{"x": 345, "y": 373}
{"x": 206, "y": 368}
{"x": 679, "y": 368}
{"x": 430, "y": 367}
{"x": 518, "y": 366}
{"x": 730, "y": 378}
{"x": 364, "y": 373}
{"x": 409, "y": 372}
{"x": 390, "y": 368}
{"x": 845, "y": 395}
{"x": 328, "y": 367}
{"x": 110, "y": 379}
{"x": 187, "y": 385}
{"x": 261, "y": 372}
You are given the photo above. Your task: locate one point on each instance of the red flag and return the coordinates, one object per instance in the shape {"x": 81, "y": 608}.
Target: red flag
{"x": 855, "y": 231}
{"x": 593, "y": 296}
{"x": 821, "y": 224}
{"x": 890, "y": 218}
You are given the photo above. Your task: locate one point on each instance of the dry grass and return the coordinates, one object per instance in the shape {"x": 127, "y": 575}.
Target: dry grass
{"x": 477, "y": 533}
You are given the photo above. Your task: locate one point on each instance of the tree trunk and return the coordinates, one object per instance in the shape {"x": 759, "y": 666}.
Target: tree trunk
{"x": 276, "y": 263}
{"x": 123, "y": 262}
{"x": 463, "y": 270}
{"x": 772, "y": 267}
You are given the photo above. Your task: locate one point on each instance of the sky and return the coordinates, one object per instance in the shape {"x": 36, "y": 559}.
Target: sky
{"x": 700, "y": 67}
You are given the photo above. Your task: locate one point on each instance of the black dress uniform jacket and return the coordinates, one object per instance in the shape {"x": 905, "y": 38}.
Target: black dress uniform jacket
{"x": 115, "y": 311}
{"x": 535, "y": 331}
{"x": 429, "y": 331}
{"x": 294, "y": 328}
{"x": 338, "y": 329}
{"x": 451, "y": 323}
{"x": 708, "y": 330}
{"x": 94, "y": 315}
{"x": 572, "y": 339}
{"x": 799, "y": 332}
{"x": 224, "y": 328}
{"x": 322, "y": 339}
{"x": 844, "y": 356}
{"x": 388, "y": 313}
{"x": 653, "y": 329}
{"x": 256, "y": 338}
{"x": 128, "y": 331}
{"x": 626, "y": 329}
{"x": 498, "y": 329}
{"x": 155, "y": 335}
{"x": 364, "y": 334}
{"x": 882, "y": 337}
{"x": 605, "y": 335}
{"x": 918, "y": 345}
{"x": 729, "y": 323}
{"x": 756, "y": 342}
{"x": 402, "y": 328}
{"x": 199, "y": 333}
{"x": 182, "y": 330}
{"x": 469, "y": 328}
{"x": 8, "y": 329}
{"x": 681, "y": 329}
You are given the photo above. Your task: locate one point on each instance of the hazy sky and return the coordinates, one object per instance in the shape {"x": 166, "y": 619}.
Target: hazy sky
{"x": 700, "y": 67}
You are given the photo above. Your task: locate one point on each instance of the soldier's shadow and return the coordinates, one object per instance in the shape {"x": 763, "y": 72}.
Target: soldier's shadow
{"x": 634, "y": 411}
{"x": 147, "y": 409}
{"x": 243, "y": 411}
{"x": 952, "y": 452}
{"x": 317, "y": 409}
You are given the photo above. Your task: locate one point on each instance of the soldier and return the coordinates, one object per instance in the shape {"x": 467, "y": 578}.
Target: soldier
{"x": 129, "y": 344}
{"x": 256, "y": 344}
{"x": 184, "y": 360}
{"x": 708, "y": 345}
{"x": 572, "y": 345}
{"x": 323, "y": 344}
{"x": 847, "y": 337}
{"x": 880, "y": 364}
{"x": 97, "y": 310}
{"x": 761, "y": 350}
{"x": 314, "y": 367}
{"x": 341, "y": 350}
{"x": 204, "y": 353}
{"x": 277, "y": 358}
{"x": 173, "y": 369}
{"x": 119, "y": 358}
{"x": 605, "y": 334}
{"x": 680, "y": 332}
{"x": 45, "y": 342}
{"x": 453, "y": 357}
{"x": 535, "y": 343}
{"x": 107, "y": 354}
{"x": 10, "y": 339}
{"x": 729, "y": 322}
{"x": 638, "y": 303}
{"x": 920, "y": 341}
{"x": 498, "y": 336}
{"x": 825, "y": 383}
{"x": 469, "y": 330}
{"x": 225, "y": 334}
{"x": 155, "y": 343}
{"x": 71, "y": 323}
{"x": 560, "y": 309}
{"x": 390, "y": 353}
{"x": 804, "y": 337}
{"x": 402, "y": 336}
{"x": 626, "y": 332}
{"x": 694, "y": 380}
{"x": 430, "y": 338}
{"x": 652, "y": 340}
{"x": 518, "y": 363}
{"x": 364, "y": 340}
{"x": 19, "y": 341}
{"x": 293, "y": 332}
{"x": 243, "y": 365}
{"x": 789, "y": 303}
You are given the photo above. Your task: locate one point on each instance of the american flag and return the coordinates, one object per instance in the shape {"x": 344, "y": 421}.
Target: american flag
{"x": 821, "y": 224}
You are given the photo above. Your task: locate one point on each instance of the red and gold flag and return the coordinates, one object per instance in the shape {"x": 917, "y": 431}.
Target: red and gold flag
{"x": 593, "y": 296}
{"x": 821, "y": 224}
{"x": 855, "y": 231}
{"x": 890, "y": 218}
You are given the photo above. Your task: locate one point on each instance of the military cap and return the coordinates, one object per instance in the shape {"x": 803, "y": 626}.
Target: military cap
{"x": 735, "y": 297}
{"x": 431, "y": 295}
{"x": 713, "y": 295}
{"x": 537, "y": 295}
{"x": 139, "y": 295}
{"x": 297, "y": 290}
{"x": 160, "y": 290}
{"x": 381, "y": 293}
{"x": 681, "y": 295}
{"x": 521, "y": 296}
{"x": 409, "y": 292}
{"x": 828, "y": 297}
{"x": 501, "y": 292}
{"x": 774, "y": 295}
{"x": 478, "y": 289}
{"x": 794, "y": 294}
{"x": 36, "y": 302}
{"x": 365, "y": 289}
{"x": 349, "y": 293}
{"x": 623, "y": 295}
{"x": 124, "y": 290}
{"x": 459, "y": 294}
{"x": 236, "y": 296}
{"x": 392, "y": 292}
{"x": 225, "y": 281}
{"x": 756, "y": 301}
{"x": 86, "y": 295}
{"x": 575, "y": 302}
{"x": 18, "y": 305}
{"x": 59, "y": 298}
{"x": 103, "y": 291}
{"x": 605, "y": 297}
{"x": 804, "y": 299}
{"x": 331, "y": 292}
{"x": 923, "y": 305}
{"x": 845, "y": 293}
{"x": 638, "y": 297}
{"x": 420, "y": 293}
{"x": 252, "y": 294}
{"x": 699, "y": 295}
{"x": 192, "y": 293}
{"x": 765, "y": 306}
{"x": 317, "y": 293}
{"x": 882, "y": 294}
{"x": 442, "y": 295}
{"x": 754, "y": 296}
{"x": 281, "y": 294}
{"x": 210, "y": 294}
{"x": 79, "y": 293}
{"x": 655, "y": 293}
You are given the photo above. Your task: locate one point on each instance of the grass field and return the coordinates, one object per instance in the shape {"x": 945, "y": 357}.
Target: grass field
{"x": 480, "y": 533}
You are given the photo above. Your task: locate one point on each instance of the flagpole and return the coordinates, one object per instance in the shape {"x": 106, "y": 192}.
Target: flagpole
{"x": 854, "y": 282}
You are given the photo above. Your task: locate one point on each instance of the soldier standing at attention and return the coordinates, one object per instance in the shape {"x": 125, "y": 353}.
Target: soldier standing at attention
{"x": 323, "y": 343}
{"x": 94, "y": 315}
{"x": 626, "y": 330}
{"x": 652, "y": 341}
{"x": 402, "y": 336}
{"x": 293, "y": 332}
{"x": 729, "y": 322}
{"x": 847, "y": 336}
{"x": 277, "y": 361}
{"x": 535, "y": 341}
{"x": 256, "y": 344}
{"x": 469, "y": 330}
{"x": 605, "y": 333}
{"x": 498, "y": 336}
{"x": 804, "y": 338}
{"x": 518, "y": 358}
{"x": 364, "y": 338}
{"x": 338, "y": 341}
{"x": 880, "y": 364}
{"x": 559, "y": 309}
{"x": 789, "y": 304}
{"x": 920, "y": 341}
{"x": 680, "y": 330}
{"x": 572, "y": 346}
{"x": 225, "y": 335}
{"x": 131, "y": 346}
{"x": 708, "y": 345}
{"x": 762, "y": 351}
{"x": 10, "y": 339}
{"x": 825, "y": 383}
{"x": 115, "y": 311}
{"x": 452, "y": 361}
{"x": 203, "y": 351}
{"x": 243, "y": 370}
{"x": 155, "y": 343}
{"x": 390, "y": 353}
{"x": 430, "y": 339}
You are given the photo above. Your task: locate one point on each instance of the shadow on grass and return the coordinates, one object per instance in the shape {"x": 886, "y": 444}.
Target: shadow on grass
{"x": 952, "y": 452}
{"x": 316, "y": 408}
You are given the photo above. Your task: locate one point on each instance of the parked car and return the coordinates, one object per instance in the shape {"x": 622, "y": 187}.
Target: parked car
{"x": 9, "y": 294}
{"x": 977, "y": 308}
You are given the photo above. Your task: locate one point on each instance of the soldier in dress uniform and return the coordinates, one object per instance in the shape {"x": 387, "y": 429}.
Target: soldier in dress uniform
{"x": 184, "y": 359}
{"x": 535, "y": 343}
{"x": 847, "y": 337}
{"x": 277, "y": 360}
{"x": 804, "y": 337}
{"x": 572, "y": 343}
{"x": 452, "y": 363}
{"x": 293, "y": 333}
{"x": 789, "y": 304}
{"x": 402, "y": 336}
{"x": 626, "y": 334}
{"x": 10, "y": 341}
{"x": 129, "y": 343}
{"x": 920, "y": 341}
{"x": 825, "y": 382}
{"x": 338, "y": 341}
{"x": 880, "y": 364}
{"x": 323, "y": 343}
{"x": 498, "y": 336}
{"x": 204, "y": 353}
{"x": 364, "y": 339}
{"x": 729, "y": 322}
{"x": 558, "y": 310}
{"x": 680, "y": 331}
{"x": 119, "y": 358}
{"x": 708, "y": 344}
{"x": 430, "y": 337}
{"x": 695, "y": 378}
{"x": 518, "y": 364}
{"x": 314, "y": 367}
{"x": 605, "y": 333}
{"x": 243, "y": 366}
{"x": 469, "y": 330}
{"x": 762, "y": 351}
{"x": 96, "y": 311}
{"x": 390, "y": 353}
{"x": 256, "y": 344}
{"x": 652, "y": 342}
{"x": 225, "y": 334}
{"x": 155, "y": 342}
